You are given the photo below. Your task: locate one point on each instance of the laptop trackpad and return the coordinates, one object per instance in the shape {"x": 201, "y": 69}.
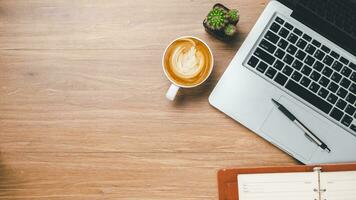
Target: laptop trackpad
{"x": 285, "y": 133}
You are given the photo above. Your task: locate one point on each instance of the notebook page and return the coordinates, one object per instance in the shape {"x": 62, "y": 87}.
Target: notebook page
{"x": 339, "y": 185}
{"x": 277, "y": 186}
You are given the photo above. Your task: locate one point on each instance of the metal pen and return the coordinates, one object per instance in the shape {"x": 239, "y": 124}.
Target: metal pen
{"x": 299, "y": 124}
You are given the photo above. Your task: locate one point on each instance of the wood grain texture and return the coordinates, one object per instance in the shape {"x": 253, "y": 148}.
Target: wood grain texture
{"x": 82, "y": 107}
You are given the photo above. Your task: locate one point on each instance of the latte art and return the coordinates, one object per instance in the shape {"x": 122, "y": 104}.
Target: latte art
{"x": 188, "y": 61}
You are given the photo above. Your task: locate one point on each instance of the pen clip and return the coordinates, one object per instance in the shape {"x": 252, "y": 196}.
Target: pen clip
{"x": 323, "y": 146}
{"x": 310, "y": 139}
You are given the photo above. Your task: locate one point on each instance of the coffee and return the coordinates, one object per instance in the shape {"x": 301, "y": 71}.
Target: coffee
{"x": 188, "y": 61}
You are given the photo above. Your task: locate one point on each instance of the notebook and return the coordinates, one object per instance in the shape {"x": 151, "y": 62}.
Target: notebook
{"x": 315, "y": 185}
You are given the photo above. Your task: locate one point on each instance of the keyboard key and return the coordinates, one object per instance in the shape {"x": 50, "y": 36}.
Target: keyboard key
{"x": 346, "y": 71}
{"x": 287, "y": 70}
{"x": 345, "y": 83}
{"x": 327, "y": 72}
{"x": 279, "y": 20}
{"x": 308, "y": 96}
{"x": 278, "y": 65}
{"x": 279, "y": 53}
{"x": 350, "y": 109}
{"x": 291, "y": 49}
{"x": 353, "y": 77}
{"x": 353, "y": 88}
{"x": 324, "y": 81}
{"x": 300, "y": 55}
{"x": 323, "y": 93}
{"x": 346, "y": 120}
{"x": 301, "y": 43}
{"x": 341, "y": 92}
{"x": 307, "y": 37}
{"x": 341, "y": 104}
{"x": 309, "y": 60}
{"x": 288, "y": 26}
{"x": 314, "y": 87}
{"x": 283, "y": 32}
{"x": 306, "y": 70}
{"x": 316, "y": 43}
{"x": 292, "y": 38}
{"x": 328, "y": 60}
{"x": 310, "y": 49}
{"x": 272, "y": 37}
{"x": 352, "y": 65}
{"x": 325, "y": 48}
{"x": 298, "y": 32}
{"x": 288, "y": 59}
{"x": 267, "y": 46}
{"x": 344, "y": 60}
{"x": 296, "y": 76}
{"x": 271, "y": 72}
{"x": 353, "y": 127}
{"x": 319, "y": 55}
{"x": 337, "y": 66}
{"x": 335, "y": 55}
{"x": 336, "y": 114}
{"x": 315, "y": 76}
{"x": 275, "y": 27}
{"x": 263, "y": 55}
{"x": 351, "y": 98}
{"x": 253, "y": 61}
{"x": 336, "y": 77}
{"x": 297, "y": 65}
{"x": 261, "y": 67}
{"x": 305, "y": 81}
{"x": 332, "y": 98}
{"x": 281, "y": 79}
{"x": 318, "y": 66}
{"x": 333, "y": 87}
{"x": 282, "y": 44}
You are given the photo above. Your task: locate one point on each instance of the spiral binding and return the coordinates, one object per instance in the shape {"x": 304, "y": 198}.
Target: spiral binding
{"x": 319, "y": 190}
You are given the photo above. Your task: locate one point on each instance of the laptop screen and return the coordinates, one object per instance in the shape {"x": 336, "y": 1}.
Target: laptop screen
{"x": 334, "y": 19}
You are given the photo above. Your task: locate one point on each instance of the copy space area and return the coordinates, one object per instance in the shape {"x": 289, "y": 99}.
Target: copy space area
{"x": 82, "y": 108}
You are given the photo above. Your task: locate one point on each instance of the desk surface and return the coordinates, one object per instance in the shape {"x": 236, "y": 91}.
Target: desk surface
{"x": 82, "y": 108}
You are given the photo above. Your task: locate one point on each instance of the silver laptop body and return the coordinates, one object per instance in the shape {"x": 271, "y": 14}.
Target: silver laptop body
{"x": 244, "y": 94}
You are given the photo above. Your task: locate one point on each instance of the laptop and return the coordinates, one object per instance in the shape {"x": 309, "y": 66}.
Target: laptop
{"x": 300, "y": 53}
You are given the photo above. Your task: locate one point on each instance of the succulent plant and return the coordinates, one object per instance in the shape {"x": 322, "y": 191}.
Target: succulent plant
{"x": 230, "y": 30}
{"x": 233, "y": 15}
{"x": 221, "y": 22}
{"x": 217, "y": 18}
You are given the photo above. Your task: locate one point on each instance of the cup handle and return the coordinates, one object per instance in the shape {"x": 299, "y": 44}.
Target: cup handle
{"x": 172, "y": 92}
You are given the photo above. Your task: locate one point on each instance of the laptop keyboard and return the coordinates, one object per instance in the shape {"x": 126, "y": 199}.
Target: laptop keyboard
{"x": 309, "y": 69}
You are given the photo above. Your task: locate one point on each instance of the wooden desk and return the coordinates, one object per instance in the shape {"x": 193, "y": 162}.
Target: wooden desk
{"x": 82, "y": 107}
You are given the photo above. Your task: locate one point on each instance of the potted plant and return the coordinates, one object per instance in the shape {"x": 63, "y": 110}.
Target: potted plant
{"x": 221, "y": 22}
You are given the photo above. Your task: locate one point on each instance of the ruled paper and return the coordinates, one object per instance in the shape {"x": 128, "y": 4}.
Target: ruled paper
{"x": 277, "y": 186}
{"x": 339, "y": 185}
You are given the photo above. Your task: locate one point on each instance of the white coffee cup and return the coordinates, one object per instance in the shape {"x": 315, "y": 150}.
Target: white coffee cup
{"x": 174, "y": 88}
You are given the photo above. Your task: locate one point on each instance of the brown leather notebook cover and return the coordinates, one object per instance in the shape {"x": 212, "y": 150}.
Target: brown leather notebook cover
{"x": 227, "y": 178}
